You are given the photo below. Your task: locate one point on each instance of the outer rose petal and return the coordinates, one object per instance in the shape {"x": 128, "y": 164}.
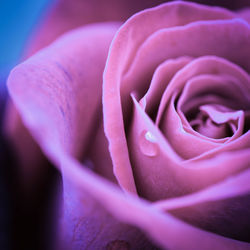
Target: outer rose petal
{"x": 70, "y": 96}
{"x": 62, "y": 74}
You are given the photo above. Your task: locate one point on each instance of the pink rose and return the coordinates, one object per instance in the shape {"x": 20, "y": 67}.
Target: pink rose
{"x": 174, "y": 169}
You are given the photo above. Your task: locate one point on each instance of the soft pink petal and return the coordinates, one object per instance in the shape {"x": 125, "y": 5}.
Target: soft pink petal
{"x": 102, "y": 164}
{"x": 230, "y": 187}
{"x": 233, "y": 91}
{"x": 220, "y": 208}
{"x": 63, "y": 79}
{"x": 162, "y": 76}
{"x": 86, "y": 224}
{"x": 219, "y": 116}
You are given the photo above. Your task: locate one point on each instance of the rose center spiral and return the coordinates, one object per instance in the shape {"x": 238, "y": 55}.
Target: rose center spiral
{"x": 215, "y": 121}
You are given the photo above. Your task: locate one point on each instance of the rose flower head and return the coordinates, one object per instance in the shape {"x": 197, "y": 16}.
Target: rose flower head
{"x": 148, "y": 124}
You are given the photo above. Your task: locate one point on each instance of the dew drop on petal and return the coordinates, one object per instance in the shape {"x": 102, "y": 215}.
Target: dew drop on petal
{"x": 148, "y": 144}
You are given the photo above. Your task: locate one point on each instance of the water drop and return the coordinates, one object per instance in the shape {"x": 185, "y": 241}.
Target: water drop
{"x": 148, "y": 144}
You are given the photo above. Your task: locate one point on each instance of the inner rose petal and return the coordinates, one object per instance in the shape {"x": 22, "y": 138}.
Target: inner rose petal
{"x": 204, "y": 65}
{"x": 162, "y": 76}
{"x": 201, "y": 86}
{"x": 186, "y": 145}
{"x": 170, "y": 122}
{"x": 230, "y": 90}
{"x": 163, "y": 174}
{"x": 201, "y": 90}
{"x": 194, "y": 40}
{"x": 220, "y": 116}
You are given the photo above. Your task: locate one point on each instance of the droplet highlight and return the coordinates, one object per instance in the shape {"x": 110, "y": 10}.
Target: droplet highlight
{"x": 148, "y": 144}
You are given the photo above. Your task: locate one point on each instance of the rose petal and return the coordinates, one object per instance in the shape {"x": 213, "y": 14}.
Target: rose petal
{"x": 87, "y": 225}
{"x": 221, "y": 208}
{"x": 157, "y": 175}
{"x": 162, "y": 76}
{"x": 99, "y": 146}
{"x": 230, "y": 187}
{"x": 233, "y": 91}
{"x": 61, "y": 77}
{"x": 221, "y": 117}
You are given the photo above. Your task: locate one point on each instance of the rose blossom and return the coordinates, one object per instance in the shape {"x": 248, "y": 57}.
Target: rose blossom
{"x": 176, "y": 116}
